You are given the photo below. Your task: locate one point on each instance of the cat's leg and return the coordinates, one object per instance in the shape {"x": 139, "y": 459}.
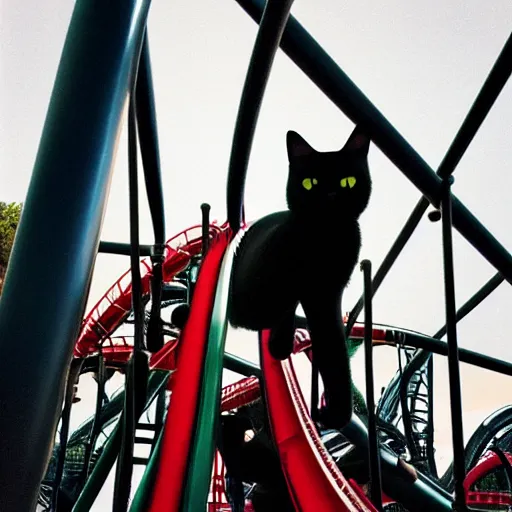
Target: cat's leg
{"x": 331, "y": 356}
{"x": 280, "y": 343}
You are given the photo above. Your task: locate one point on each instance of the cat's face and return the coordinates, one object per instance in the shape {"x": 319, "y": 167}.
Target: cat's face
{"x": 335, "y": 182}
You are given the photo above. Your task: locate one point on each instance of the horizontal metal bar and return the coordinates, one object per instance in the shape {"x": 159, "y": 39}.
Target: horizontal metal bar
{"x": 146, "y": 427}
{"x": 242, "y": 366}
{"x": 122, "y": 248}
{"x": 140, "y": 461}
{"x": 471, "y": 357}
{"x": 143, "y": 440}
{"x": 415, "y": 340}
{"x": 310, "y": 57}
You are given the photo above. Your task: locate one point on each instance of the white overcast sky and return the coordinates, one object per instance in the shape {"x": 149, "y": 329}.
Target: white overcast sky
{"x": 421, "y": 63}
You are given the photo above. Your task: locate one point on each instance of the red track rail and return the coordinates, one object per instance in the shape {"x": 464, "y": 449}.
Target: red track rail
{"x": 247, "y": 390}
{"x": 240, "y": 393}
{"x": 306, "y": 463}
{"x": 115, "y": 306}
{"x": 181, "y": 416}
{"x": 484, "y": 466}
{"x": 314, "y": 480}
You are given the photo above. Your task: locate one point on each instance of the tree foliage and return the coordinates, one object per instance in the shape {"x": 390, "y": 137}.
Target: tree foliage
{"x": 9, "y": 219}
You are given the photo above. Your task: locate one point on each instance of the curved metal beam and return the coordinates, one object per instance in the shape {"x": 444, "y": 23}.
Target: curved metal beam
{"x": 273, "y": 21}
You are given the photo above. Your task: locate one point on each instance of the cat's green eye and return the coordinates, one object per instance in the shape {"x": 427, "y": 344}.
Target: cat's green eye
{"x": 350, "y": 182}
{"x": 308, "y": 183}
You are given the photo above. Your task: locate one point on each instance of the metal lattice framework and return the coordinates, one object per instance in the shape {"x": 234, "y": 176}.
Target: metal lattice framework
{"x": 99, "y": 70}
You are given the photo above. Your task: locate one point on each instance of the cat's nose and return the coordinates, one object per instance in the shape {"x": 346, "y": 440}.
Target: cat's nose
{"x": 331, "y": 194}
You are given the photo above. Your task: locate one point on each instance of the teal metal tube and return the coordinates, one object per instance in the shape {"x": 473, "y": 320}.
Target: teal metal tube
{"x": 53, "y": 256}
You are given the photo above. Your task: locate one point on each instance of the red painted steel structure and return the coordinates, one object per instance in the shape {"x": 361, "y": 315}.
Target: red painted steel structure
{"x": 314, "y": 480}
{"x": 181, "y": 416}
{"x": 298, "y": 441}
{"x": 478, "y": 498}
{"x": 115, "y": 306}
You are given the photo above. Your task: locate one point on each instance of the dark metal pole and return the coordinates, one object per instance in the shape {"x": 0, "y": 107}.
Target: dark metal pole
{"x": 137, "y": 304}
{"x": 273, "y": 21}
{"x": 431, "y": 459}
{"x": 124, "y": 469}
{"x": 148, "y": 137}
{"x": 96, "y": 424}
{"x": 122, "y": 249}
{"x": 57, "y": 241}
{"x": 298, "y": 44}
{"x": 373, "y": 440}
{"x": 205, "y": 224}
{"x": 459, "y": 472}
{"x": 426, "y": 343}
{"x": 429, "y": 344}
{"x": 483, "y": 103}
{"x": 390, "y": 258}
{"x": 73, "y": 376}
{"x": 466, "y": 356}
{"x": 242, "y": 366}
{"x": 155, "y": 334}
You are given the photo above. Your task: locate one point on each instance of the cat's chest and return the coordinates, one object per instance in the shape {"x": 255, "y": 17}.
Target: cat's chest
{"x": 328, "y": 235}
{"x": 284, "y": 243}
{"x": 330, "y": 247}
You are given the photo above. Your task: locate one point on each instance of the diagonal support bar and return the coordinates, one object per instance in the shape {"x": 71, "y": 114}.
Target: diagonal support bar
{"x": 300, "y": 46}
{"x": 496, "y": 80}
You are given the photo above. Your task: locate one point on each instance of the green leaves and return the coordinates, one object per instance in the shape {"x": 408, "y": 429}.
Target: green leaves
{"x": 9, "y": 218}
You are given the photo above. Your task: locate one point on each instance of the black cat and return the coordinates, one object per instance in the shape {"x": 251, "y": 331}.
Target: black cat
{"x": 306, "y": 255}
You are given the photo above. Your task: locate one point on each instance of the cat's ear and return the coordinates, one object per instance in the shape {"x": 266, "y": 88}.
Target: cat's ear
{"x": 297, "y": 146}
{"x": 358, "y": 141}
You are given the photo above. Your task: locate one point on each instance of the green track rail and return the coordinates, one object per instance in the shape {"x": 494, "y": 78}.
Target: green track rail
{"x": 199, "y": 474}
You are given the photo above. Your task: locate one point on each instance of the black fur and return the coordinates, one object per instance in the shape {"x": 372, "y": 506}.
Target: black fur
{"x": 307, "y": 254}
